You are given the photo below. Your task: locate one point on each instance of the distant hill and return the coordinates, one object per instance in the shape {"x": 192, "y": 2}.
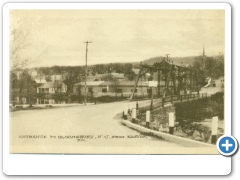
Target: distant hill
{"x": 185, "y": 60}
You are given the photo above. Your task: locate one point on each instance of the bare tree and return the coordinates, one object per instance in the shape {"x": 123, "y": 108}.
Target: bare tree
{"x": 18, "y": 43}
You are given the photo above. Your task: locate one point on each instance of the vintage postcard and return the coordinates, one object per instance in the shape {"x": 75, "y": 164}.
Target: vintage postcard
{"x": 117, "y": 81}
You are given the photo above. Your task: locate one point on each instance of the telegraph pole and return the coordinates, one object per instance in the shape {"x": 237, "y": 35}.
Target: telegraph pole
{"x": 166, "y": 79}
{"x": 167, "y": 56}
{"x": 85, "y": 102}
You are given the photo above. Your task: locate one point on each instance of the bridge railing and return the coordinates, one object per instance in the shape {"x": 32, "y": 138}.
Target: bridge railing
{"x": 161, "y": 102}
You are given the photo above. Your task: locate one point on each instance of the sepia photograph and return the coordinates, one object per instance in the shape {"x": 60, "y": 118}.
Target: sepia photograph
{"x": 106, "y": 81}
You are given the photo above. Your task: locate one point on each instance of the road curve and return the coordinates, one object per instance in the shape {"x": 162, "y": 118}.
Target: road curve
{"x": 91, "y": 129}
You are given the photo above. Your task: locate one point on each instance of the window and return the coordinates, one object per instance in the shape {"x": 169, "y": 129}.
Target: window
{"x": 163, "y": 77}
{"x": 104, "y": 90}
{"x": 90, "y": 90}
{"x": 119, "y": 90}
{"x": 134, "y": 91}
{"x": 149, "y": 90}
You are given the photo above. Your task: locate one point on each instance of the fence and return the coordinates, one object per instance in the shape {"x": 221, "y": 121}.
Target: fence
{"x": 124, "y": 95}
{"x": 161, "y": 102}
{"x": 182, "y": 98}
{"x": 167, "y": 119}
{"x": 103, "y": 97}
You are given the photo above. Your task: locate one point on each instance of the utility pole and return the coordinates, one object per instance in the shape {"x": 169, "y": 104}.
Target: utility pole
{"x": 167, "y": 78}
{"x": 167, "y": 56}
{"x": 203, "y": 58}
{"x": 85, "y": 102}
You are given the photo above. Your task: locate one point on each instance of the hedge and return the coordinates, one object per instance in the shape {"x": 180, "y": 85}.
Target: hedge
{"x": 190, "y": 111}
{"x": 107, "y": 99}
{"x": 200, "y": 109}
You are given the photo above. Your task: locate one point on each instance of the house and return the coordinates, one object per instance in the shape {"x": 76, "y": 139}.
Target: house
{"x": 100, "y": 77}
{"x": 65, "y": 75}
{"x": 33, "y": 73}
{"x": 18, "y": 73}
{"x": 48, "y": 89}
{"x": 56, "y": 77}
{"x": 24, "y": 96}
{"x": 93, "y": 87}
{"x": 119, "y": 76}
{"x": 40, "y": 81}
{"x": 113, "y": 88}
{"x": 52, "y": 87}
{"x": 133, "y": 74}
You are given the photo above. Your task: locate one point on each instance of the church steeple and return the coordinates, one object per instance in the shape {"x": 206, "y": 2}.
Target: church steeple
{"x": 203, "y": 58}
{"x": 203, "y": 51}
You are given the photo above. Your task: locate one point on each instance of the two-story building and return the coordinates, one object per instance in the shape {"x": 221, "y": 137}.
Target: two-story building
{"x": 48, "y": 89}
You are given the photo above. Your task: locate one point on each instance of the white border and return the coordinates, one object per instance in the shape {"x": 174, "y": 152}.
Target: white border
{"x": 14, "y": 164}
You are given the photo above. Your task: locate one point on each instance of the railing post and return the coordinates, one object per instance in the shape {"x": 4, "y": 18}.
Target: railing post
{"x": 163, "y": 101}
{"x": 147, "y": 119}
{"x": 133, "y": 115}
{"x": 214, "y": 129}
{"x": 125, "y": 113}
{"x": 171, "y": 120}
{"x": 137, "y": 106}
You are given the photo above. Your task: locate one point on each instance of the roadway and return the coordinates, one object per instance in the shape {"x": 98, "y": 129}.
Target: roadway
{"x": 79, "y": 129}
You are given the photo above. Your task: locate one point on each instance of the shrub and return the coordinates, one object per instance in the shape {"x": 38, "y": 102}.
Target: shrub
{"x": 107, "y": 99}
{"x": 191, "y": 111}
{"x": 217, "y": 104}
{"x": 200, "y": 109}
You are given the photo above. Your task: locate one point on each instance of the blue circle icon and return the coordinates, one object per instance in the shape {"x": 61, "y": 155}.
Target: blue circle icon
{"x": 227, "y": 145}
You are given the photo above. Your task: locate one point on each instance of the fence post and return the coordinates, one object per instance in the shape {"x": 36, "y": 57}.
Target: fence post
{"x": 214, "y": 129}
{"x": 147, "y": 119}
{"x": 163, "y": 101}
{"x": 133, "y": 115}
{"x": 171, "y": 119}
{"x": 125, "y": 113}
{"x": 136, "y": 105}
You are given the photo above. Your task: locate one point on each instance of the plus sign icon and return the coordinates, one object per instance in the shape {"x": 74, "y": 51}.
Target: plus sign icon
{"x": 227, "y": 145}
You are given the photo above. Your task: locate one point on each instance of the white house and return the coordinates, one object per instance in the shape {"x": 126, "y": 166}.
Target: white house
{"x": 56, "y": 77}
{"x": 33, "y": 73}
{"x": 52, "y": 87}
{"x": 40, "y": 81}
{"x": 49, "y": 88}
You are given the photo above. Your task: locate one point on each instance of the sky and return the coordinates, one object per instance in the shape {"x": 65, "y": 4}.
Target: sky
{"x": 56, "y": 37}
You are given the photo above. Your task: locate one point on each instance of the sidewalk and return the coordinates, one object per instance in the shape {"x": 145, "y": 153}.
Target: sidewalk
{"x": 43, "y": 106}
